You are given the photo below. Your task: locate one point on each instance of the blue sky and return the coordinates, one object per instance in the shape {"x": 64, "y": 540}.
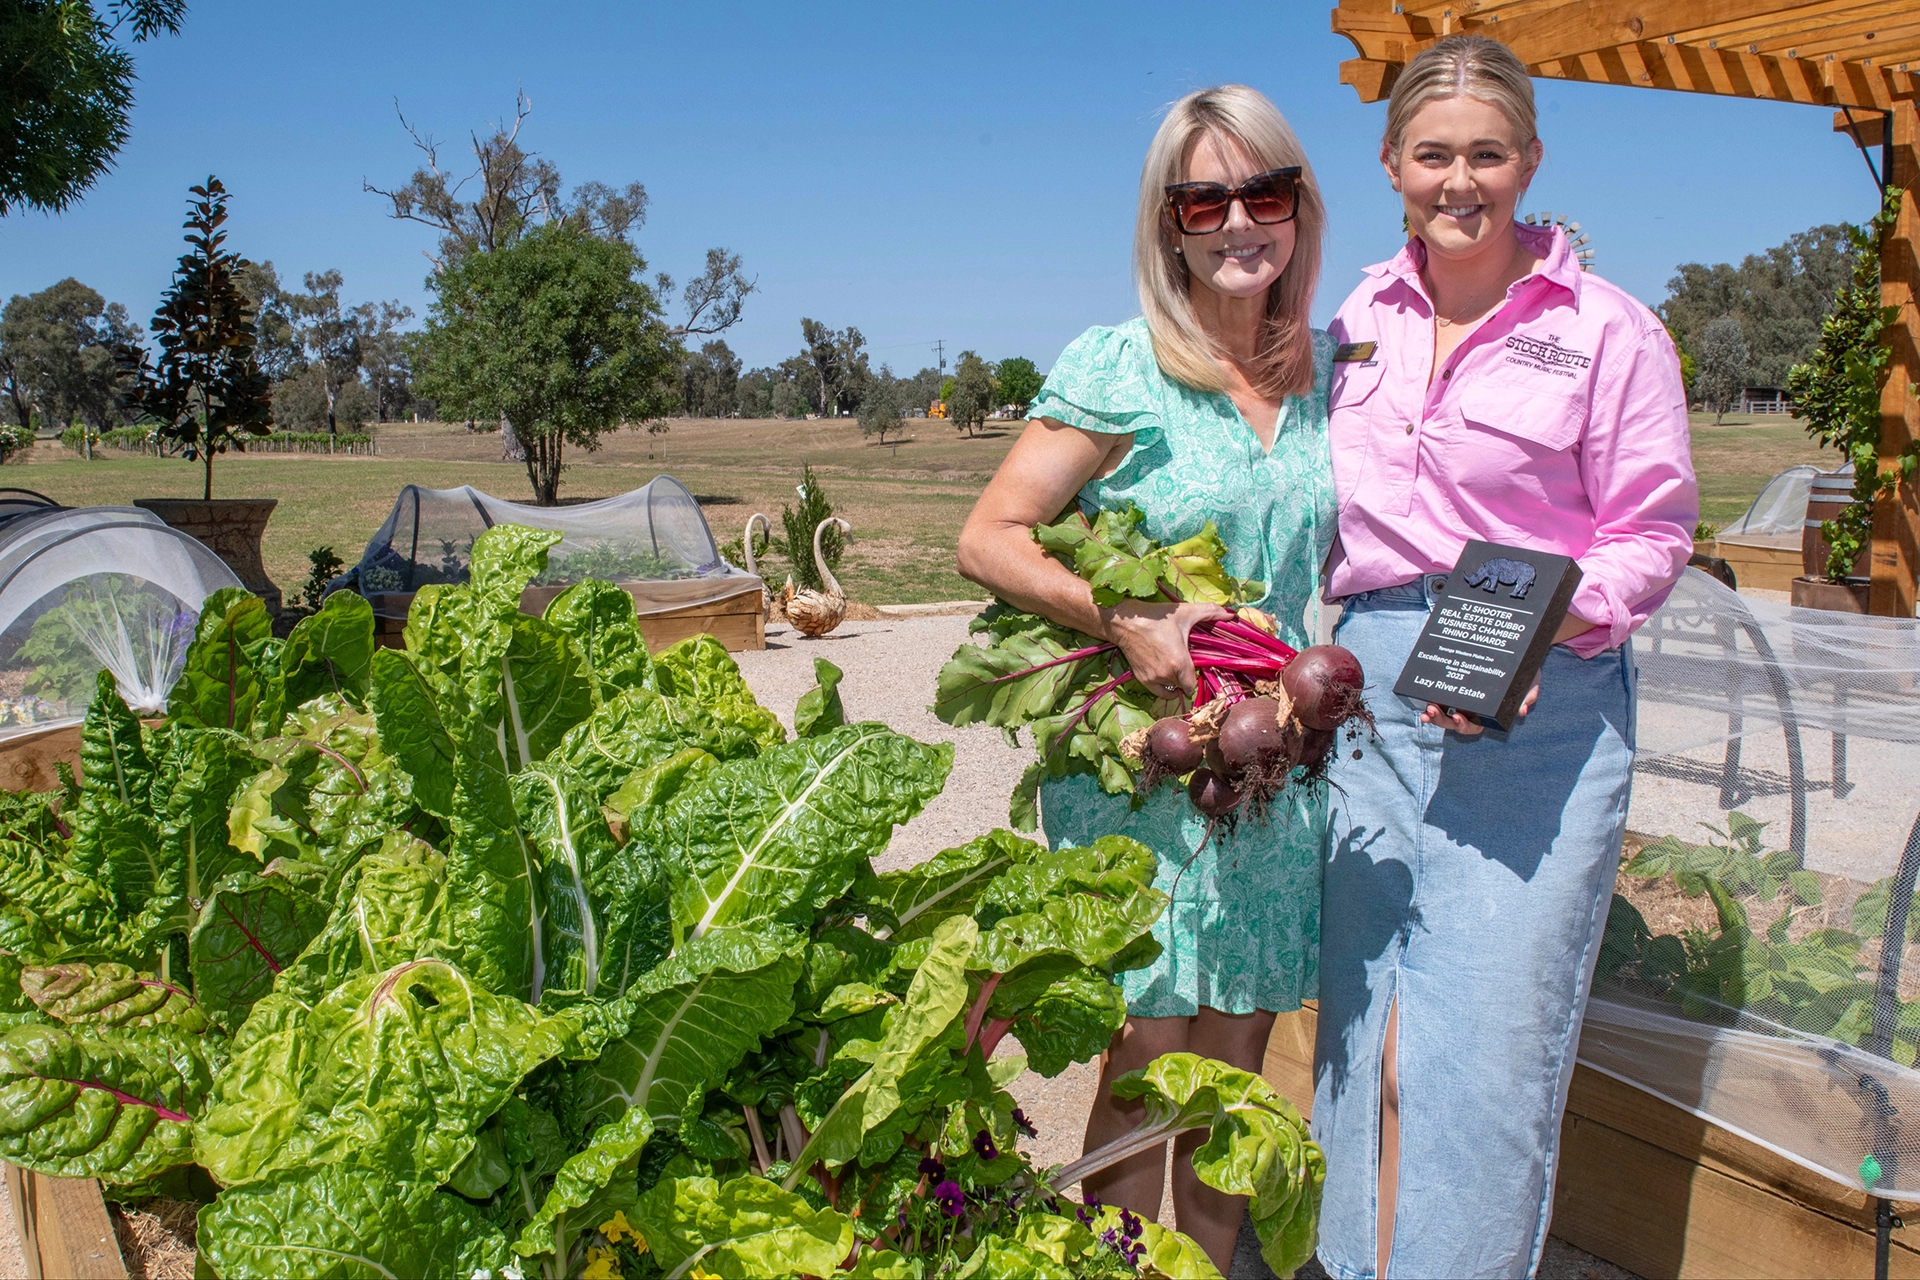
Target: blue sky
{"x": 920, "y": 171}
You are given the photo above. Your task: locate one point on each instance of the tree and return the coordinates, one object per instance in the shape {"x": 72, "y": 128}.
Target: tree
{"x": 329, "y": 335}
{"x": 881, "y": 410}
{"x": 66, "y": 87}
{"x": 973, "y": 395}
{"x": 1019, "y": 381}
{"x": 61, "y": 351}
{"x": 554, "y": 332}
{"x": 275, "y": 346}
{"x": 708, "y": 378}
{"x": 837, "y": 360}
{"x": 1778, "y": 297}
{"x": 1723, "y": 365}
{"x": 386, "y": 355}
{"x": 799, "y": 526}
{"x": 206, "y": 388}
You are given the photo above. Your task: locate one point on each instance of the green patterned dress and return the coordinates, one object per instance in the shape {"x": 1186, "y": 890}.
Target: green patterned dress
{"x": 1243, "y": 930}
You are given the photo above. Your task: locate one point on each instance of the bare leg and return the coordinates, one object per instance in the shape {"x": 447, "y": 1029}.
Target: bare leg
{"x": 1389, "y": 1140}
{"x": 1135, "y": 1182}
{"x": 1212, "y": 1217}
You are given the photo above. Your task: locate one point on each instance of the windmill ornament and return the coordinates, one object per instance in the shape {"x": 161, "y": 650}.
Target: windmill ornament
{"x": 1577, "y": 240}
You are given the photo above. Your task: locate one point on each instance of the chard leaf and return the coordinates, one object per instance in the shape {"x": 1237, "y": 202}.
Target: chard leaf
{"x": 1023, "y": 806}
{"x": 113, "y": 757}
{"x": 1257, "y": 1146}
{"x": 700, "y": 668}
{"x": 81, "y": 1102}
{"x": 391, "y": 910}
{"x": 1073, "y": 1019}
{"x": 767, "y": 838}
{"x": 606, "y": 912}
{"x": 442, "y": 620}
{"x": 819, "y": 710}
{"x": 913, "y": 901}
{"x": 692, "y": 1019}
{"x": 203, "y": 771}
{"x": 221, "y": 685}
{"x": 412, "y": 728}
{"x": 395, "y": 1070}
{"x": 1166, "y": 1253}
{"x": 349, "y": 1222}
{"x": 109, "y": 996}
{"x": 51, "y": 911}
{"x": 495, "y": 916}
{"x": 742, "y": 1228}
{"x": 640, "y": 728}
{"x": 600, "y": 618}
{"x": 998, "y": 1256}
{"x": 252, "y": 927}
{"x": 584, "y": 1175}
{"x": 120, "y": 846}
{"x": 328, "y": 794}
{"x": 1028, "y": 672}
{"x": 658, "y": 783}
{"x": 526, "y": 685}
{"x": 330, "y": 652}
{"x": 505, "y": 559}
{"x": 1088, "y": 903}
{"x": 936, "y": 997}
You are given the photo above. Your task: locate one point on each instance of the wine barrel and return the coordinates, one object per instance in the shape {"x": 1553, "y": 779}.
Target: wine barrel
{"x": 1831, "y": 494}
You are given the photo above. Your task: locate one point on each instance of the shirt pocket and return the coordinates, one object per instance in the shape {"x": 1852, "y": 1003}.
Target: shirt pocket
{"x": 1351, "y": 402}
{"x": 1354, "y": 382}
{"x": 1539, "y": 420}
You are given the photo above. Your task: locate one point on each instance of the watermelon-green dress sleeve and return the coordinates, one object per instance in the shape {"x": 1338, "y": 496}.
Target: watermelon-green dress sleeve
{"x": 1243, "y": 929}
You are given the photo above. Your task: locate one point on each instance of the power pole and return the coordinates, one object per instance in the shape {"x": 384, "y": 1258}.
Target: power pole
{"x": 940, "y": 353}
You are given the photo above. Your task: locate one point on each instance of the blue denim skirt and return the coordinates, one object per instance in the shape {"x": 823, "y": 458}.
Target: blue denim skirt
{"x": 1468, "y": 879}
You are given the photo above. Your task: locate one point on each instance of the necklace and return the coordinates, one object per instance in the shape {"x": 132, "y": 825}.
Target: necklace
{"x": 1473, "y": 314}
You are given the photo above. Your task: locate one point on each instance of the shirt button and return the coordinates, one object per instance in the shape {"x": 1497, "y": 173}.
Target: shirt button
{"x": 1409, "y": 428}
{"x": 1446, "y": 375}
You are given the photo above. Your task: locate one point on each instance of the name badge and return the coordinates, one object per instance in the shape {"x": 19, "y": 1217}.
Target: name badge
{"x": 1352, "y": 352}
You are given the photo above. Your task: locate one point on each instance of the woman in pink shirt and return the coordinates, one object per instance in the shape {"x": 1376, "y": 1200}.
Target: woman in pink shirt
{"x": 1485, "y": 388}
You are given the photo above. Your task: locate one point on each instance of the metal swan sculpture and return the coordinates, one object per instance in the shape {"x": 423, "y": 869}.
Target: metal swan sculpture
{"x": 814, "y": 613}
{"x": 753, "y": 561}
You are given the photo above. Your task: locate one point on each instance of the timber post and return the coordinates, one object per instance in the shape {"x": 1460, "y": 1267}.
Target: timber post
{"x": 1895, "y": 557}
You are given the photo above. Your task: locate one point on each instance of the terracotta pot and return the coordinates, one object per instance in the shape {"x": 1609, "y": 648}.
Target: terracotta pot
{"x": 231, "y": 528}
{"x": 1849, "y": 596}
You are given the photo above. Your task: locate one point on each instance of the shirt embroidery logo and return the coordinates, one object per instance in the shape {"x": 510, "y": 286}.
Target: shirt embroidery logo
{"x": 1546, "y": 356}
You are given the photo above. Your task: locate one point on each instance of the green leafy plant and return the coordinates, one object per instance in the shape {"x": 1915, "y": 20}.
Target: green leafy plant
{"x": 1807, "y": 977}
{"x": 798, "y": 525}
{"x": 1705, "y": 531}
{"x": 1837, "y": 392}
{"x": 521, "y": 948}
{"x": 15, "y": 440}
{"x": 613, "y": 561}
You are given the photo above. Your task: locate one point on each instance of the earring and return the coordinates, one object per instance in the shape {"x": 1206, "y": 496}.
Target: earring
{"x": 1179, "y": 251}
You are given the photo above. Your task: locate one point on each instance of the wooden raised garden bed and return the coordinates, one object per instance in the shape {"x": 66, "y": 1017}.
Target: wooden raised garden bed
{"x": 1661, "y": 1192}
{"x": 27, "y": 759}
{"x": 65, "y": 1233}
{"x": 739, "y": 621}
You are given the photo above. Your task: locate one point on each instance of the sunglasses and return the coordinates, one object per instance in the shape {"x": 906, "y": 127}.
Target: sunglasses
{"x": 1200, "y": 208}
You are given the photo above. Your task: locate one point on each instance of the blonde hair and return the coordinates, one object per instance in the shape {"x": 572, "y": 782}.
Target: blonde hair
{"x": 1461, "y": 67}
{"x": 1284, "y": 361}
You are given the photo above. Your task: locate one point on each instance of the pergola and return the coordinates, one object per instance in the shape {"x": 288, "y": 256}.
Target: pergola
{"x": 1859, "y": 56}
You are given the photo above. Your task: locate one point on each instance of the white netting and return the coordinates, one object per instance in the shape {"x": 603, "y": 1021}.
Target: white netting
{"x": 93, "y": 588}
{"x": 1781, "y": 507}
{"x": 1743, "y": 976}
{"x": 655, "y": 534}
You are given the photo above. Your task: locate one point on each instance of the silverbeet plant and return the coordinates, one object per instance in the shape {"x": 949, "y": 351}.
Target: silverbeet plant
{"x": 522, "y": 952}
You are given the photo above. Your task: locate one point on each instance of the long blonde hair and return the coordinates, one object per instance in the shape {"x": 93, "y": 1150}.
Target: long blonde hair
{"x": 1461, "y": 67}
{"x": 1284, "y": 361}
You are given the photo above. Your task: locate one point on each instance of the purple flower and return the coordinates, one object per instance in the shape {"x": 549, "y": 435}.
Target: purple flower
{"x": 983, "y": 1146}
{"x": 932, "y": 1168}
{"x": 1023, "y": 1124}
{"x": 1130, "y": 1225}
{"x": 951, "y": 1198}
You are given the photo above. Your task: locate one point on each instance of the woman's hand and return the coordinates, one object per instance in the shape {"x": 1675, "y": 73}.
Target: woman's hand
{"x": 1467, "y": 724}
{"x": 1154, "y": 638}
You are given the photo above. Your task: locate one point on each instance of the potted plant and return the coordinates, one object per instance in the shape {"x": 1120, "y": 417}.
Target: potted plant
{"x": 1838, "y": 392}
{"x": 208, "y": 391}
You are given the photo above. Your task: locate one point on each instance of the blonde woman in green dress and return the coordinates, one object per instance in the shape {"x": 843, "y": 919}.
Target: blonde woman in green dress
{"x": 1210, "y": 406}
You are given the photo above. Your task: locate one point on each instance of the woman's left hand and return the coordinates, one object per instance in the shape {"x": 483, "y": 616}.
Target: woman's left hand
{"x": 1467, "y": 724}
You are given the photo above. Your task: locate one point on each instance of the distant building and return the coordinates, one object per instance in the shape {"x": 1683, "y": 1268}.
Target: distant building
{"x": 1764, "y": 400}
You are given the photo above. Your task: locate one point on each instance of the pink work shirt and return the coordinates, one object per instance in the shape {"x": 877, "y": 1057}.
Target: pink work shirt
{"x": 1560, "y": 425}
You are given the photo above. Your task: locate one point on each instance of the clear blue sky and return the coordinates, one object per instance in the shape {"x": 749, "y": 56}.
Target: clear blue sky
{"x": 920, "y": 171}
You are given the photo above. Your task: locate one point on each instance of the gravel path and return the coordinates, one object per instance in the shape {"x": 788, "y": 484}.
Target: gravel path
{"x": 890, "y": 667}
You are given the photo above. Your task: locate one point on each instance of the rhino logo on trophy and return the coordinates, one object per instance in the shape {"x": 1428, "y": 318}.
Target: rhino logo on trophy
{"x": 1493, "y": 574}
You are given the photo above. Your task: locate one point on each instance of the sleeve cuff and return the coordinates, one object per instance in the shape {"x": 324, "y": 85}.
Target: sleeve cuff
{"x": 1612, "y": 624}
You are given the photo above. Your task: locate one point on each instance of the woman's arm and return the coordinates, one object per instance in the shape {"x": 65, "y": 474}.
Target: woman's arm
{"x": 1036, "y": 482}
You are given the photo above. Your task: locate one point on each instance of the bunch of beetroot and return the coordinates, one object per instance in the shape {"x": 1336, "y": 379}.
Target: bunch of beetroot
{"x": 1261, "y": 715}
{"x": 1262, "y": 712}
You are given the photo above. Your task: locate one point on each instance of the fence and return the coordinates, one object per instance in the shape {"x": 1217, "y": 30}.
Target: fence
{"x": 145, "y": 440}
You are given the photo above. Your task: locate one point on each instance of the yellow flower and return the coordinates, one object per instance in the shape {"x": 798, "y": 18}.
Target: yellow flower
{"x": 616, "y": 1226}
{"x": 600, "y": 1265}
{"x": 701, "y": 1273}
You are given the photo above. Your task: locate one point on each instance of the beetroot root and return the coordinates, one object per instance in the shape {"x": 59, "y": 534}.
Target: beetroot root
{"x": 1325, "y": 684}
{"x": 1212, "y": 794}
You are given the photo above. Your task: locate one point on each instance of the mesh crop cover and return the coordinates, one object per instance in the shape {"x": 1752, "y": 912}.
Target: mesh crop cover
{"x": 1777, "y": 514}
{"x": 1745, "y": 974}
{"x": 93, "y": 588}
{"x": 656, "y": 535}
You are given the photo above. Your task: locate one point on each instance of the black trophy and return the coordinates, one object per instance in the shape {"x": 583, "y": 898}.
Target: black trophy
{"x": 1490, "y": 630}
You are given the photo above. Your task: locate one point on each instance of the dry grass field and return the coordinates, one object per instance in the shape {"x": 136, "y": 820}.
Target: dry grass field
{"x": 906, "y": 503}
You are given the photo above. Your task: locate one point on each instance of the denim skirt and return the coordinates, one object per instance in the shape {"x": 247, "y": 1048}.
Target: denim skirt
{"x": 1468, "y": 880}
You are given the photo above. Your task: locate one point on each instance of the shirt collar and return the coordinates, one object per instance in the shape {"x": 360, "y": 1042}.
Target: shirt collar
{"x": 1559, "y": 264}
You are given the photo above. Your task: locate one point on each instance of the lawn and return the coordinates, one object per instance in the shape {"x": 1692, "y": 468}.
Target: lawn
{"x": 906, "y": 504}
